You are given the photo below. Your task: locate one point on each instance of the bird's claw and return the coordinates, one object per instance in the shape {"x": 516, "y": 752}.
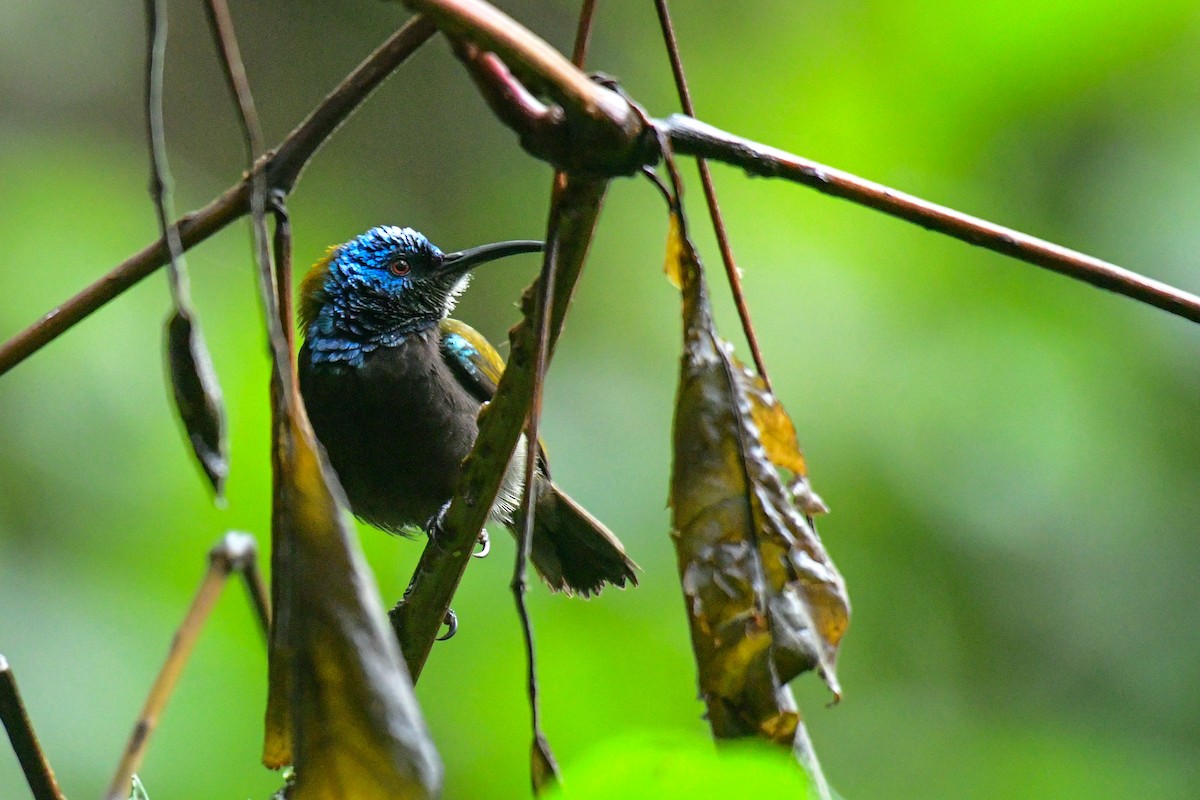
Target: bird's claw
{"x": 435, "y": 525}
{"x": 451, "y": 622}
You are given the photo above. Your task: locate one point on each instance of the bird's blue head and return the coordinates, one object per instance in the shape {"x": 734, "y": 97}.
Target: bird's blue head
{"x": 382, "y": 286}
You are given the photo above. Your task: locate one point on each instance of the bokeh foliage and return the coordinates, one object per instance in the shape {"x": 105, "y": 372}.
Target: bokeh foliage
{"x": 1011, "y": 459}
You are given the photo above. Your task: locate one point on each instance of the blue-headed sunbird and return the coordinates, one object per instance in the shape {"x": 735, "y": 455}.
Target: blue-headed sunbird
{"x": 393, "y": 387}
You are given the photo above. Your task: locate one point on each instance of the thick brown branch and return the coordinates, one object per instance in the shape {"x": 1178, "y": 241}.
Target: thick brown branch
{"x": 692, "y": 137}
{"x": 282, "y": 167}
{"x": 599, "y": 133}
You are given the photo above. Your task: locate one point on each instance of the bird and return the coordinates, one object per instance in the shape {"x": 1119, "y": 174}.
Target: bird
{"x": 393, "y": 387}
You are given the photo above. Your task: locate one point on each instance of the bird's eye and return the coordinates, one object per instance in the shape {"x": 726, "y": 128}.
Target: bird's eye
{"x": 399, "y": 268}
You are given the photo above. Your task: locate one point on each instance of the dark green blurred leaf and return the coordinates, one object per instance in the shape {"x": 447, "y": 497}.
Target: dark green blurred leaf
{"x": 764, "y": 601}
{"x": 663, "y": 767}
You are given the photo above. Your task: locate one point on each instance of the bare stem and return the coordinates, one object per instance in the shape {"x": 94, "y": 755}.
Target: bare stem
{"x": 160, "y": 176}
{"x": 38, "y": 773}
{"x": 221, "y": 22}
{"x": 238, "y": 552}
{"x": 235, "y": 551}
{"x": 274, "y": 286}
{"x": 732, "y": 274}
{"x": 545, "y": 768}
{"x": 545, "y": 299}
{"x": 583, "y": 33}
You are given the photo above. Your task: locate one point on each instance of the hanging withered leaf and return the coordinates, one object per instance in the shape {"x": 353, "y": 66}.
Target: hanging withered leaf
{"x": 778, "y": 437}
{"x": 764, "y": 600}
{"x": 543, "y": 767}
{"x": 198, "y": 396}
{"x": 341, "y": 707}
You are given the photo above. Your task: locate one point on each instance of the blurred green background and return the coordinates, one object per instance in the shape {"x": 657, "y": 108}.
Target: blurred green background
{"x": 1012, "y": 459}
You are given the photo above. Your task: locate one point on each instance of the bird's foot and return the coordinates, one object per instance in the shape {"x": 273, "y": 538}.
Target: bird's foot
{"x": 451, "y": 623}
{"x": 435, "y": 526}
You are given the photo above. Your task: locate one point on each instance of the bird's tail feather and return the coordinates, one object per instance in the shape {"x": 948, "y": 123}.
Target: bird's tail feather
{"x": 572, "y": 550}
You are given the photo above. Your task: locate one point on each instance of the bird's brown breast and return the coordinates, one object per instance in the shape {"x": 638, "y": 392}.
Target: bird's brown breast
{"x": 395, "y": 428}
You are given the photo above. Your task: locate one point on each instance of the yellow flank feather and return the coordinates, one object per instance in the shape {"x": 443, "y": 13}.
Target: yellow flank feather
{"x": 489, "y": 362}
{"x": 312, "y": 288}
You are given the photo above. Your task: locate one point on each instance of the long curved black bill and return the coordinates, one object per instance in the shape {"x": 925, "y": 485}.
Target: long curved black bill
{"x": 464, "y": 260}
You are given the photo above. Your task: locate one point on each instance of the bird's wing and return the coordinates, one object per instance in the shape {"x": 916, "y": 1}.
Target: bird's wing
{"x": 472, "y": 357}
{"x": 478, "y": 366}
{"x": 312, "y": 289}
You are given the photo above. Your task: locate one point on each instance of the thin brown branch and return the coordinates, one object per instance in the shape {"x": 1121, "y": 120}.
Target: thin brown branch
{"x": 544, "y": 767}
{"x": 282, "y": 168}
{"x": 545, "y": 300}
{"x": 583, "y": 33}
{"x": 160, "y": 176}
{"x": 234, "y": 70}
{"x": 38, "y": 774}
{"x": 732, "y": 274}
{"x": 693, "y": 137}
{"x": 236, "y": 551}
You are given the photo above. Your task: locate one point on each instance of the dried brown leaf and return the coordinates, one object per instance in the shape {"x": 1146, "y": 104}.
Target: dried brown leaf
{"x": 198, "y": 397}
{"x": 677, "y": 255}
{"x": 543, "y": 767}
{"x": 764, "y": 599}
{"x": 341, "y": 705}
{"x": 778, "y": 437}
